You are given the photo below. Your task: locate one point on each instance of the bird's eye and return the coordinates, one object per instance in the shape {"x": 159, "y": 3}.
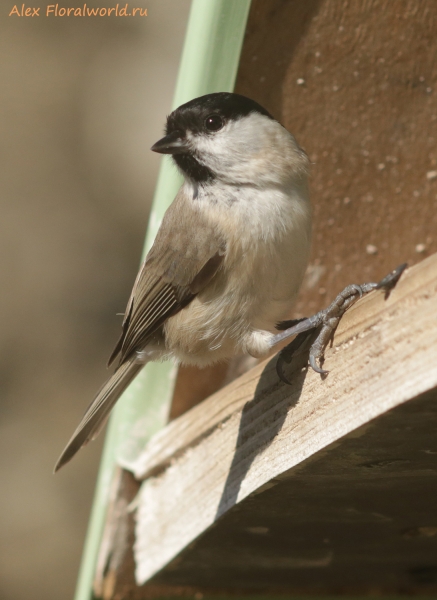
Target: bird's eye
{"x": 214, "y": 123}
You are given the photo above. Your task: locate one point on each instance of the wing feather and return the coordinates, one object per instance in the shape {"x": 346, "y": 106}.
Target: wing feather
{"x": 96, "y": 414}
{"x": 179, "y": 265}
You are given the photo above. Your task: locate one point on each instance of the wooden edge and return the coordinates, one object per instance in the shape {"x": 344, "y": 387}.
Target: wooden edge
{"x": 257, "y": 428}
{"x": 194, "y": 425}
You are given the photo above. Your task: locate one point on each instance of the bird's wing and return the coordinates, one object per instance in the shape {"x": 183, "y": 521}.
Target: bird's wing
{"x": 185, "y": 256}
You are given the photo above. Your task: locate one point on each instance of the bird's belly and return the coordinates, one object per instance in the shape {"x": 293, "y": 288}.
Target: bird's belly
{"x": 218, "y": 323}
{"x": 204, "y": 332}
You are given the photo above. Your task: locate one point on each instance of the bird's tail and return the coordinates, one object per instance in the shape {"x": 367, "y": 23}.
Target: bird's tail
{"x": 98, "y": 411}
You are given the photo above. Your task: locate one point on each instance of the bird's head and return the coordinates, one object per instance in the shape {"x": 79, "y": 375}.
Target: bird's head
{"x": 231, "y": 138}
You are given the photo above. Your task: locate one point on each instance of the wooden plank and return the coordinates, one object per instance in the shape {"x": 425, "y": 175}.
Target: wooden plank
{"x": 358, "y": 517}
{"x": 257, "y": 428}
{"x": 358, "y": 322}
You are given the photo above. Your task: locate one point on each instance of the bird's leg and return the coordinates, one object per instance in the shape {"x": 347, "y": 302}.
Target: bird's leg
{"x": 327, "y": 319}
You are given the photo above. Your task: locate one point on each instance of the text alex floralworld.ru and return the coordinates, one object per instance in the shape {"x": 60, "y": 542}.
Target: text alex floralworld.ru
{"x": 53, "y": 10}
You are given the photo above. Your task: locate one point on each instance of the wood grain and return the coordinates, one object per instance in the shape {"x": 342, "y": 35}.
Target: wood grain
{"x": 257, "y": 428}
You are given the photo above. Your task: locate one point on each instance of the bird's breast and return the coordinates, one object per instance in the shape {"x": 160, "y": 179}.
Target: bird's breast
{"x": 267, "y": 248}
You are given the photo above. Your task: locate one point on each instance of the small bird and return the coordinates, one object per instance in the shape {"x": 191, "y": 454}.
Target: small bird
{"x": 230, "y": 255}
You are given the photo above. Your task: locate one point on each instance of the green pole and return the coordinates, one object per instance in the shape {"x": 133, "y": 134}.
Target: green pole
{"x": 209, "y": 63}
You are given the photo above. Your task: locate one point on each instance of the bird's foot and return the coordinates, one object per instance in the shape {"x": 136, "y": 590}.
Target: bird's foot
{"x": 327, "y": 320}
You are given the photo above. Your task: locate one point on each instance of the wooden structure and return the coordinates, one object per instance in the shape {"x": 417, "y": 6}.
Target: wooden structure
{"x": 328, "y": 485}
{"x": 325, "y": 485}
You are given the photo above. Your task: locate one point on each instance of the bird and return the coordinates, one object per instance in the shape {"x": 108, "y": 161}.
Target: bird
{"x": 229, "y": 257}
{"x": 230, "y": 254}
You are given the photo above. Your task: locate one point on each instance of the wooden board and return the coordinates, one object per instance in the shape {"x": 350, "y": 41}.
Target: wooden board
{"x": 249, "y": 434}
{"x": 359, "y": 516}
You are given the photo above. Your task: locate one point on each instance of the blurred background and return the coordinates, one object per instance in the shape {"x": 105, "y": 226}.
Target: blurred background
{"x": 82, "y": 100}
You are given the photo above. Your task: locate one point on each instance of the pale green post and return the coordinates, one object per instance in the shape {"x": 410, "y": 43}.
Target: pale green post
{"x": 209, "y": 63}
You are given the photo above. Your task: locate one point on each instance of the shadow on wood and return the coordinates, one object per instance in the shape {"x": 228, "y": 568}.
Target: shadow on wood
{"x": 257, "y": 429}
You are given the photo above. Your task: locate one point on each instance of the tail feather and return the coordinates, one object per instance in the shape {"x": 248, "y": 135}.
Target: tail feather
{"x": 97, "y": 413}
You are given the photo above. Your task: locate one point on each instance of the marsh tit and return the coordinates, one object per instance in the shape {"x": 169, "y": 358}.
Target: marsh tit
{"x": 230, "y": 255}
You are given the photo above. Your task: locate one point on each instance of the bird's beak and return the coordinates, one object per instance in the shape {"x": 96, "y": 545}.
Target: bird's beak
{"x": 173, "y": 143}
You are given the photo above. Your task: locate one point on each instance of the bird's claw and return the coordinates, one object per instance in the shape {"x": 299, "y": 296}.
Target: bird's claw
{"x": 328, "y": 319}
{"x": 280, "y": 368}
{"x": 389, "y": 281}
{"x": 287, "y": 353}
{"x": 315, "y": 366}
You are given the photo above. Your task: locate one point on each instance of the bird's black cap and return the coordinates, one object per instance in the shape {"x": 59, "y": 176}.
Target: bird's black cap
{"x": 229, "y": 106}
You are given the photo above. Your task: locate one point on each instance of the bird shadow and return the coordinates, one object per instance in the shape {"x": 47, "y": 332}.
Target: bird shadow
{"x": 263, "y": 416}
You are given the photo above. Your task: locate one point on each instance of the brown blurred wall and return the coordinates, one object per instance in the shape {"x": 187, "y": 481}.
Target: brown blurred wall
{"x": 356, "y": 83}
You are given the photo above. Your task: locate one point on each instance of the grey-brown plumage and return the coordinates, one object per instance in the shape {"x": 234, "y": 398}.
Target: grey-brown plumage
{"x": 176, "y": 269}
{"x": 230, "y": 255}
